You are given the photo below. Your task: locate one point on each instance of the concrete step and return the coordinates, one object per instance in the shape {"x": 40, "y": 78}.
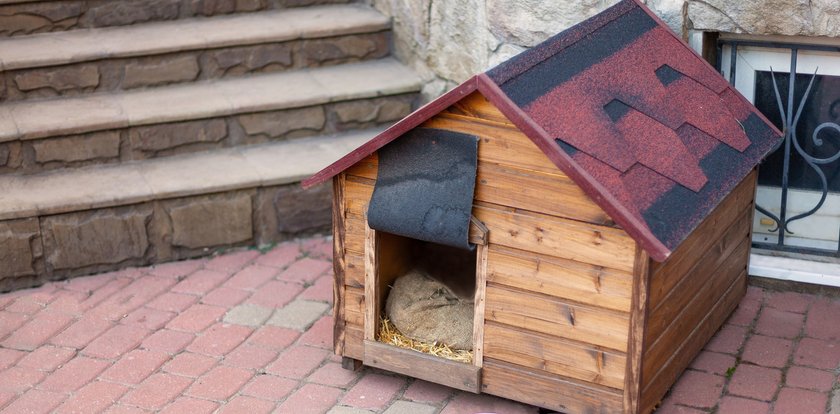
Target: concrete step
{"x": 21, "y": 17}
{"x": 117, "y": 127}
{"x": 61, "y": 224}
{"x": 121, "y": 58}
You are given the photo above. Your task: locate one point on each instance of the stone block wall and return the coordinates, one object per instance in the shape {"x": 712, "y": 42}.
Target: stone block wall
{"x": 156, "y": 231}
{"x": 449, "y": 41}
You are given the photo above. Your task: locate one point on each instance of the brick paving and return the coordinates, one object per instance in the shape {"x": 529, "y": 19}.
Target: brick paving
{"x": 250, "y": 332}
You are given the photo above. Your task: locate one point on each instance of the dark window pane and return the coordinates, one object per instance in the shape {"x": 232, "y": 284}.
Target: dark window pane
{"x": 823, "y": 105}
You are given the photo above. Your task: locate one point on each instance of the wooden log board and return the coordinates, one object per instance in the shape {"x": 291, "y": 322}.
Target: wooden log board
{"x": 354, "y": 339}
{"x": 553, "y": 236}
{"x": 539, "y": 388}
{"x": 637, "y": 330}
{"x": 561, "y": 278}
{"x": 453, "y": 374}
{"x": 339, "y": 263}
{"x": 554, "y": 354}
{"x": 477, "y": 106}
{"x": 552, "y": 316}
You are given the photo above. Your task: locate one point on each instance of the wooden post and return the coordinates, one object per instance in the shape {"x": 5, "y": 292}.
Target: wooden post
{"x": 636, "y": 336}
{"x": 339, "y": 263}
{"x": 371, "y": 283}
{"x": 480, "y": 292}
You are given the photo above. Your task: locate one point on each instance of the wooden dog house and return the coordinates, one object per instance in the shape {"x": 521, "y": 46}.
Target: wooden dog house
{"x": 609, "y": 178}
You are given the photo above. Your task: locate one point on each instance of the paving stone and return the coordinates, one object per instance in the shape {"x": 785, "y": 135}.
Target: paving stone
{"x": 790, "y": 301}
{"x": 250, "y": 357}
{"x": 212, "y": 221}
{"x": 342, "y": 409}
{"x": 736, "y": 405}
{"x": 269, "y": 387}
{"x": 471, "y": 403}
{"x": 773, "y": 322}
{"x": 822, "y": 320}
{"x": 74, "y": 374}
{"x": 200, "y": 282}
{"x": 93, "y": 398}
{"x": 156, "y": 391}
{"x": 801, "y": 377}
{"x": 797, "y": 401}
{"x": 406, "y": 407}
{"x": 297, "y": 362}
{"x": 168, "y": 341}
{"x": 424, "y": 391}
{"x": 232, "y": 262}
{"x": 82, "y": 332}
{"x": 320, "y": 334}
{"x": 141, "y": 291}
{"x": 273, "y": 337}
{"x": 151, "y": 319}
{"x": 190, "y": 365}
{"x": 37, "y": 331}
{"x": 817, "y": 353}
{"x": 698, "y": 389}
{"x": 96, "y": 145}
{"x": 243, "y": 404}
{"x": 191, "y": 406}
{"x": 10, "y": 321}
{"x": 196, "y": 318}
{"x": 248, "y": 314}
{"x": 281, "y": 256}
{"x": 35, "y": 402}
{"x": 713, "y": 362}
{"x": 834, "y": 408}
{"x": 160, "y": 70}
{"x": 728, "y": 340}
{"x": 275, "y": 294}
{"x": 225, "y": 297}
{"x": 373, "y": 391}
{"x": 219, "y": 339}
{"x": 251, "y": 277}
{"x": 135, "y": 366}
{"x": 172, "y": 302}
{"x": 321, "y": 290}
{"x": 46, "y": 358}
{"x": 299, "y": 314}
{"x": 767, "y": 351}
{"x": 310, "y": 398}
{"x": 332, "y": 374}
{"x": 116, "y": 341}
{"x": 176, "y": 270}
{"x": 755, "y": 382}
{"x": 220, "y": 383}
{"x": 19, "y": 379}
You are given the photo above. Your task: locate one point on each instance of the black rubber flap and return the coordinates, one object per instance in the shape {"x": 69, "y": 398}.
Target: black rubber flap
{"x": 425, "y": 186}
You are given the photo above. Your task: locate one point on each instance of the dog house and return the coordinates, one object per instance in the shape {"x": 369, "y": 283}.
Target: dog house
{"x": 590, "y": 198}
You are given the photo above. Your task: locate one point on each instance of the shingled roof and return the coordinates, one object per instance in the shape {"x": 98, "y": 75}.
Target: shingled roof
{"x": 642, "y": 123}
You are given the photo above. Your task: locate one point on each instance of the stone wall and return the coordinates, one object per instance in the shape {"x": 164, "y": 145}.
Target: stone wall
{"x": 449, "y": 41}
{"x": 53, "y": 247}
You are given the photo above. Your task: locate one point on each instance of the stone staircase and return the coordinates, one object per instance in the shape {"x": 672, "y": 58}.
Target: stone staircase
{"x": 135, "y": 132}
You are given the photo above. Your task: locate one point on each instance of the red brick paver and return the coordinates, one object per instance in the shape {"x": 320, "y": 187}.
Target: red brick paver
{"x": 156, "y": 339}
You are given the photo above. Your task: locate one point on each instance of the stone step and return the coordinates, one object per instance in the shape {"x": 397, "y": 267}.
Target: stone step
{"x": 121, "y": 58}
{"x": 21, "y": 17}
{"x": 62, "y": 224}
{"x": 158, "y": 122}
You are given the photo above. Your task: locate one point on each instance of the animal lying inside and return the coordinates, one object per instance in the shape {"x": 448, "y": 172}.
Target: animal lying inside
{"x": 427, "y": 310}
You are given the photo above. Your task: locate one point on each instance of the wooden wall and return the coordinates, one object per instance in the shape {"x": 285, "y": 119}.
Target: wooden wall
{"x": 694, "y": 291}
{"x": 560, "y": 274}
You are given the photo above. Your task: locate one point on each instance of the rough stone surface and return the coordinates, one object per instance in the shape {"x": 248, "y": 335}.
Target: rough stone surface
{"x": 4, "y": 155}
{"x": 788, "y": 17}
{"x": 30, "y": 18}
{"x": 119, "y": 13}
{"x": 58, "y": 79}
{"x": 236, "y": 61}
{"x": 165, "y": 136}
{"x": 300, "y": 210}
{"x": 78, "y": 148}
{"x": 157, "y": 71}
{"x": 279, "y": 123}
{"x": 211, "y": 221}
{"x": 344, "y": 48}
{"x": 83, "y": 239}
{"x": 528, "y": 22}
{"x": 20, "y": 246}
{"x": 371, "y": 110}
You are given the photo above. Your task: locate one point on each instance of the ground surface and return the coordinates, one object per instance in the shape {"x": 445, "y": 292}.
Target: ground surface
{"x": 252, "y": 333}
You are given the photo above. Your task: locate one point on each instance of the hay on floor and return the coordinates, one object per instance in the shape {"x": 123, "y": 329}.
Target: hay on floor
{"x": 389, "y": 334}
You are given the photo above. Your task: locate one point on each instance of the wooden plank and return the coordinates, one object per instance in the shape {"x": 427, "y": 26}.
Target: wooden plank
{"x": 681, "y": 323}
{"x": 499, "y": 144}
{"x": 553, "y": 316}
{"x": 354, "y": 272}
{"x": 477, "y": 106}
{"x": 561, "y": 278}
{"x": 658, "y": 384}
{"x": 666, "y": 275}
{"x": 415, "y": 364}
{"x": 339, "y": 263}
{"x": 366, "y": 168}
{"x": 354, "y": 307}
{"x": 705, "y": 272}
{"x": 372, "y": 306}
{"x": 354, "y": 340}
{"x": 555, "y": 355}
{"x": 478, "y": 232}
{"x": 549, "y": 391}
{"x": 636, "y": 337}
{"x": 358, "y": 193}
{"x": 354, "y": 237}
{"x": 553, "y": 236}
{"x": 553, "y": 194}
{"x": 481, "y": 257}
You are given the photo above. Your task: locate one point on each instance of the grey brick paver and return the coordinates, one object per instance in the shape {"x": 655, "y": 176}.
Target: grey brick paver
{"x": 248, "y": 315}
{"x": 406, "y": 407}
{"x": 299, "y": 314}
{"x": 340, "y": 409}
